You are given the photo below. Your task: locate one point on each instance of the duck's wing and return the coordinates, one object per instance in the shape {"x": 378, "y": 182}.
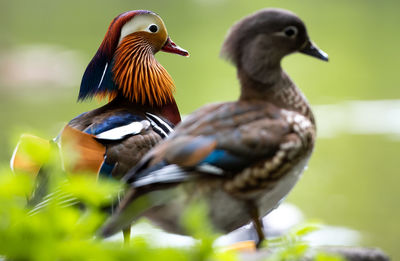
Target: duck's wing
{"x": 220, "y": 141}
{"x": 112, "y": 142}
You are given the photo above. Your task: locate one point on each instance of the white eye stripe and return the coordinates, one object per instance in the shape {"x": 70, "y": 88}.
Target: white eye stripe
{"x": 139, "y": 23}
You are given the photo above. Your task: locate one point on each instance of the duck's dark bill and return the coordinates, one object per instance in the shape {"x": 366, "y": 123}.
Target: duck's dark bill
{"x": 311, "y": 49}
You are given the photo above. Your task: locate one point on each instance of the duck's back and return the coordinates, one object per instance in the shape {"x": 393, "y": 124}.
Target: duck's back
{"x": 124, "y": 133}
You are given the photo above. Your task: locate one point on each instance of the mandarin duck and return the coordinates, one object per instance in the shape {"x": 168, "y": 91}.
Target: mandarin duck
{"x": 141, "y": 111}
{"x": 243, "y": 157}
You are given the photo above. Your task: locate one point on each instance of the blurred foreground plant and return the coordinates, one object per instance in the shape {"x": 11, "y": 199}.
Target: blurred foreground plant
{"x": 292, "y": 246}
{"x": 65, "y": 232}
{"x": 60, "y": 229}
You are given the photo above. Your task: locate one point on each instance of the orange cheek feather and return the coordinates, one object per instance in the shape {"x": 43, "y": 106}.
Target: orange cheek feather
{"x": 138, "y": 74}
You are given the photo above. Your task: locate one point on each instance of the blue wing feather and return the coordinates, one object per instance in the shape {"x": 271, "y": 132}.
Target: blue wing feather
{"x": 225, "y": 160}
{"x": 112, "y": 122}
{"x": 216, "y": 163}
{"x": 106, "y": 169}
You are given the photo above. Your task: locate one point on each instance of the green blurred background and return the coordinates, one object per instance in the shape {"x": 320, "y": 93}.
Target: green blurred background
{"x": 352, "y": 179}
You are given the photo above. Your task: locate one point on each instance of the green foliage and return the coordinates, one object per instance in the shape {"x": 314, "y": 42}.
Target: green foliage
{"x": 59, "y": 230}
{"x": 195, "y": 222}
{"x": 292, "y": 246}
{"x": 64, "y": 232}
{"x": 36, "y": 149}
{"x": 327, "y": 257}
{"x": 89, "y": 191}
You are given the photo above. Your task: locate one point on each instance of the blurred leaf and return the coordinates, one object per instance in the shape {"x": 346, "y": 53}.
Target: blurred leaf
{"x": 328, "y": 257}
{"x": 91, "y": 191}
{"x": 195, "y": 221}
{"x": 30, "y": 154}
{"x": 15, "y": 185}
{"x": 307, "y": 229}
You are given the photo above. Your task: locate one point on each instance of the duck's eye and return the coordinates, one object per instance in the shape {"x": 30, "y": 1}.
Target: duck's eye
{"x": 290, "y": 31}
{"x": 153, "y": 28}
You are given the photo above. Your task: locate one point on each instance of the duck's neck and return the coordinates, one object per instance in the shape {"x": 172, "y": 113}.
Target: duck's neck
{"x": 139, "y": 76}
{"x": 276, "y": 88}
{"x": 171, "y": 112}
{"x": 142, "y": 82}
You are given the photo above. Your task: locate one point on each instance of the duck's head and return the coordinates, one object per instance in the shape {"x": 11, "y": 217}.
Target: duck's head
{"x": 258, "y": 42}
{"x": 125, "y": 65}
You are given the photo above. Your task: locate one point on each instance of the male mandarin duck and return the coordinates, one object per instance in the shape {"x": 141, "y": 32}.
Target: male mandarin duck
{"x": 112, "y": 139}
{"x": 142, "y": 109}
{"x": 242, "y": 158}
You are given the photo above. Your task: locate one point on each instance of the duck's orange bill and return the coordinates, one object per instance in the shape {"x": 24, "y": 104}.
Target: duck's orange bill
{"x": 171, "y": 47}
